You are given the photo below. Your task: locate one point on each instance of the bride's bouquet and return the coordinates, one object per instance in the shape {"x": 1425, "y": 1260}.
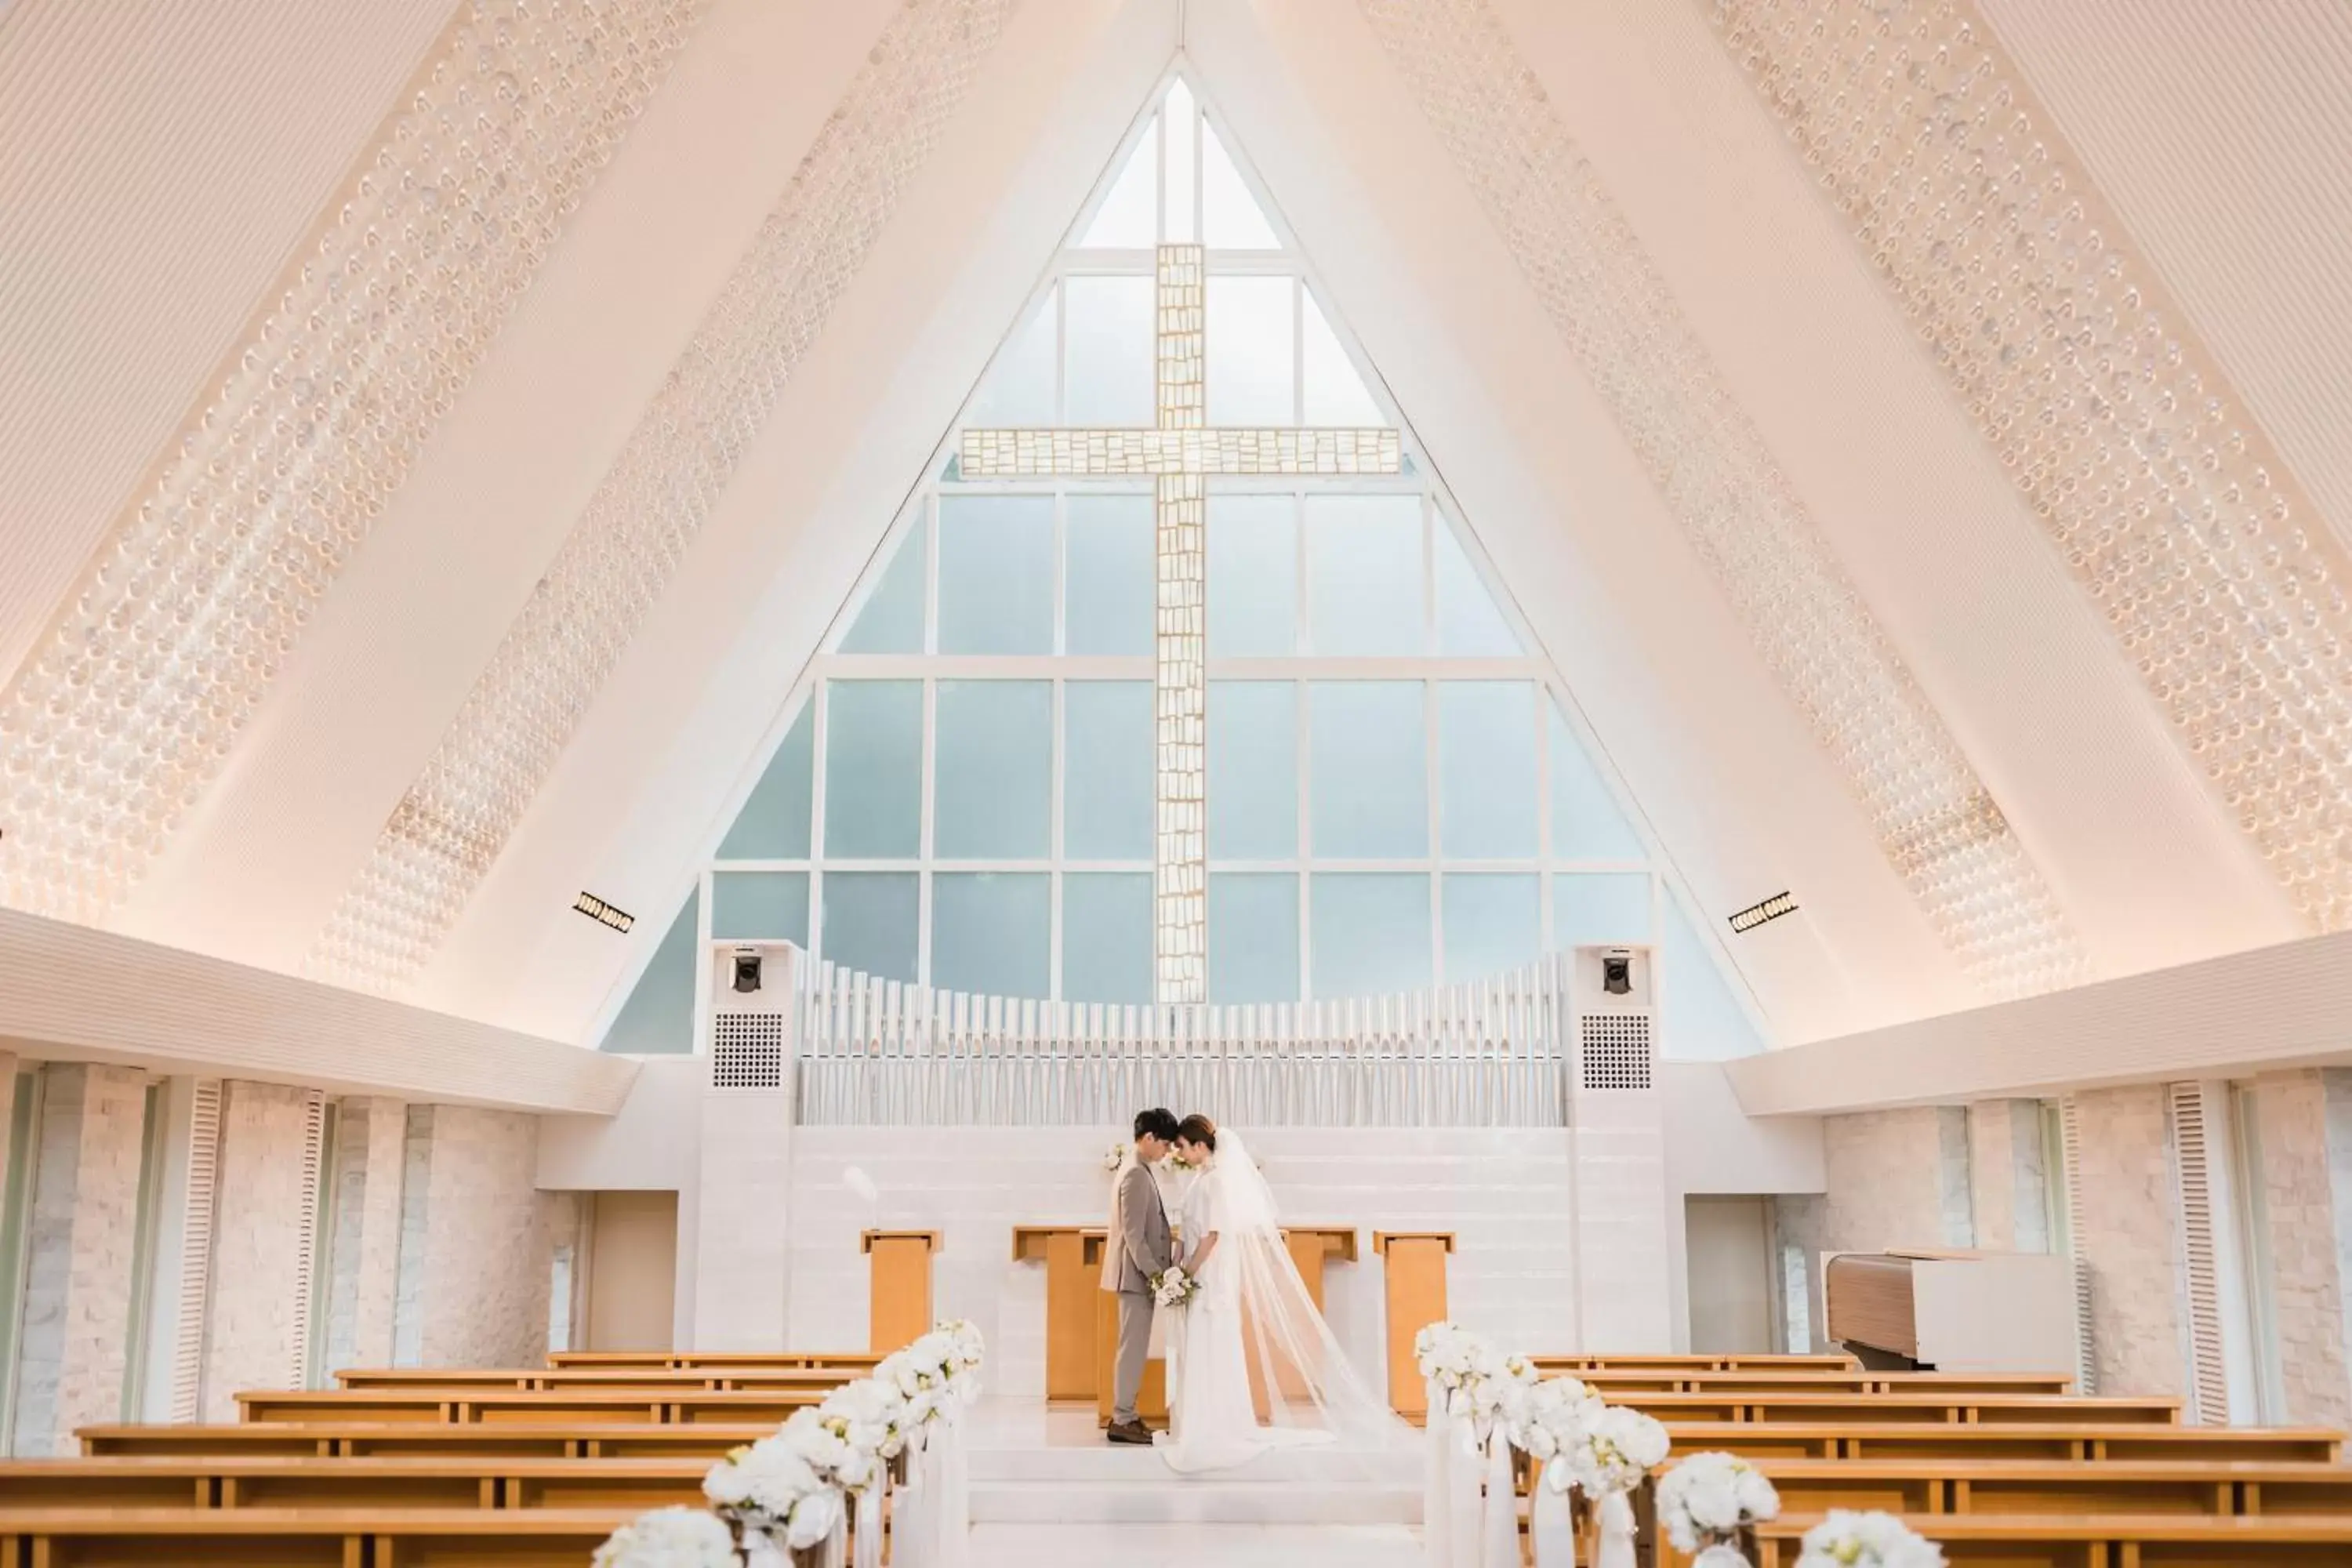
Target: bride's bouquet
{"x": 1172, "y": 1287}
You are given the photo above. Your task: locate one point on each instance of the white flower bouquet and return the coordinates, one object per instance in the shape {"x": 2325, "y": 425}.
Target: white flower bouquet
{"x": 1454, "y": 1360}
{"x": 1617, "y": 1450}
{"x": 670, "y": 1538}
{"x": 1872, "y": 1539}
{"x": 966, "y": 1352}
{"x": 1114, "y": 1157}
{"x": 1172, "y": 1287}
{"x": 1547, "y": 1422}
{"x": 773, "y": 1488}
{"x": 1708, "y": 1498}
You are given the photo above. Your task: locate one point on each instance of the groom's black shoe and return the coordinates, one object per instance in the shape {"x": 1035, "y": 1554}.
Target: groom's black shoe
{"x": 1129, "y": 1432}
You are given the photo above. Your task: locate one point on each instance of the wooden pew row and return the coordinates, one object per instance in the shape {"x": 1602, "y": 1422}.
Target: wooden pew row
{"x": 2007, "y": 1486}
{"x": 305, "y": 1538}
{"x": 2045, "y": 1440}
{"x": 550, "y": 1379}
{"x": 856, "y": 1362}
{"x": 671, "y": 1405}
{"x": 2092, "y": 1541}
{"x": 484, "y": 1444}
{"x": 861, "y": 1361}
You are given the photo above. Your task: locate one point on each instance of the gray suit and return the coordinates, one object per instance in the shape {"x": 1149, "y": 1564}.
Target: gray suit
{"x": 1139, "y": 1249}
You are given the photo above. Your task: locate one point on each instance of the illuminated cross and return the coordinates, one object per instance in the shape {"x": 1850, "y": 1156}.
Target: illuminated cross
{"x": 1181, "y": 451}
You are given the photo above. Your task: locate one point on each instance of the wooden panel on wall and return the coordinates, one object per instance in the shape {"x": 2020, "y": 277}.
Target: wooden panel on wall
{"x": 1414, "y": 1280}
{"x": 899, "y": 1309}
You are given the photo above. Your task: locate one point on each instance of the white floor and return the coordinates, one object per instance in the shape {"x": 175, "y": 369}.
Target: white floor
{"x": 1046, "y": 1487}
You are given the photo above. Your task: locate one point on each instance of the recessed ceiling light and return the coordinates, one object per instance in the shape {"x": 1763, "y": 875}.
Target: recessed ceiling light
{"x": 602, "y": 913}
{"x": 1772, "y": 908}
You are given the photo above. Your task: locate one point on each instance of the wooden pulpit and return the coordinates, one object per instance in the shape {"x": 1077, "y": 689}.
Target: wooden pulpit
{"x": 1072, "y": 1255}
{"x": 1311, "y": 1246}
{"x": 899, "y": 1287}
{"x": 1414, "y": 1276}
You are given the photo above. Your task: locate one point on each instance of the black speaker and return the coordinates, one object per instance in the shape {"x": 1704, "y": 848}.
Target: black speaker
{"x": 746, "y": 971}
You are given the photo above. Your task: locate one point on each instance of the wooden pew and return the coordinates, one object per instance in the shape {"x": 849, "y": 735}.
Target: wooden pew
{"x": 305, "y": 1537}
{"x": 464, "y": 1405}
{"x": 2044, "y": 1440}
{"x": 854, "y": 1362}
{"x": 1610, "y": 1384}
{"x": 2045, "y": 1488}
{"x": 548, "y": 1379}
{"x": 2093, "y": 1541}
{"x": 488, "y": 1443}
{"x": 1665, "y": 1360}
{"x": 447, "y": 1481}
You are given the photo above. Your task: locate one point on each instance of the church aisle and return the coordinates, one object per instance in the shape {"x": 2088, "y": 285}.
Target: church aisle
{"x": 1180, "y": 1546}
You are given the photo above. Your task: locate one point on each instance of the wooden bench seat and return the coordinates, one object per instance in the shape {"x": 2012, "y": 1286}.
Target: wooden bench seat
{"x": 2104, "y": 1540}
{"x": 465, "y": 1405}
{"x": 404, "y": 1481}
{"x": 493, "y": 1442}
{"x": 407, "y": 1379}
{"x": 854, "y": 1362}
{"x": 2213, "y": 1489}
{"x": 1901, "y": 1406}
{"x": 304, "y": 1537}
{"x": 2046, "y": 1440}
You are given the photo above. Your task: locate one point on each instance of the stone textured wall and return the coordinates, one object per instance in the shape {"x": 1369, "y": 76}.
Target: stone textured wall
{"x": 2126, "y": 1241}
{"x": 2307, "y": 1241}
{"x": 1896, "y": 1178}
{"x": 82, "y": 1238}
{"x": 482, "y": 1298}
{"x": 2008, "y": 1179}
{"x": 363, "y": 1255}
{"x": 254, "y": 1318}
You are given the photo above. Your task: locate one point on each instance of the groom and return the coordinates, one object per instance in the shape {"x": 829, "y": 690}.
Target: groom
{"x": 1138, "y": 1249}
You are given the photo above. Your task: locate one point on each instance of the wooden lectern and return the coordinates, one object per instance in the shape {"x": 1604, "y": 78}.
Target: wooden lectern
{"x": 1415, "y": 1280}
{"x": 899, "y": 1285}
{"x": 1072, "y": 1255}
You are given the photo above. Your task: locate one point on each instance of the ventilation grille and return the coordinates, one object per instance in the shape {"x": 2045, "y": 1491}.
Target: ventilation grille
{"x": 1616, "y": 1050}
{"x": 196, "y": 1252}
{"x": 747, "y": 1050}
{"x": 306, "y": 1238}
{"x": 2192, "y": 1175}
{"x": 2070, "y": 1143}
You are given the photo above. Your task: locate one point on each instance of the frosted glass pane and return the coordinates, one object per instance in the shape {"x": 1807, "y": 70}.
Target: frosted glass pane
{"x": 1249, "y": 352}
{"x": 1371, "y": 933}
{"x": 1704, "y": 1020}
{"x": 990, "y": 932}
{"x": 1252, "y": 770}
{"x": 1231, "y": 218}
{"x": 1590, "y": 907}
{"x": 1128, "y": 218}
{"x": 1253, "y": 937}
{"x": 891, "y": 620}
{"x": 760, "y": 905}
{"x": 1107, "y": 936}
{"x": 869, "y": 922}
{"x": 996, "y": 574}
{"x": 1107, "y": 770}
{"x": 1363, "y": 575}
{"x": 775, "y": 822}
{"x": 1019, "y": 387}
{"x": 1468, "y": 621}
{"x": 992, "y": 792}
{"x": 1335, "y": 395}
{"x": 874, "y": 768}
{"x": 1107, "y": 595}
{"x": 1108, "y": 320}
{"x": 1253, "y": 575}
{"x": 1487, "y": 768}
{"x": 1178, "y": 115}
{"x": 1492, "y": 924}
{"x": 658, "y": 1017}
{"x": 1367, "y": 762}
{"x": 1585, "y": 822}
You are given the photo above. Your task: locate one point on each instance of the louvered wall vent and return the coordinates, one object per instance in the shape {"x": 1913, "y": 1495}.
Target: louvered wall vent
{"x": 2193, "y": 1151}
{"x": 747, "y": 1050}
{"x": 196, "y": 1251}
{"x": 2069, "y": 1139}
{"x": 1615, "y": 1050}
{"x": 306, "y": 1237}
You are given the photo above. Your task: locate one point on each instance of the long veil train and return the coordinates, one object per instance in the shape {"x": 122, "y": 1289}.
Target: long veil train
{"x": 1302, "y": 1387}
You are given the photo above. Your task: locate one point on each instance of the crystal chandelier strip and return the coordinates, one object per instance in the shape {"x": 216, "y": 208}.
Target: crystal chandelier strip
{"x": 458, "y": 816}
{"x": 2220, "y": 580}
{"x": 187, "y": 611}
{"x": 1180, "y": 696}
{"x": 1113, "y": 453}
{"x": 1940, "y": 827}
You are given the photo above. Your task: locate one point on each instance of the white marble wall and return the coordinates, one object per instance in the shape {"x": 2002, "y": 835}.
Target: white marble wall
{"x": 2008, "y": 1185}
{"x": 1897, "y": 1178}
{"x": 2126, "y": 1241}
{"x": 1505, "y": 1193}
{"x": 73, "y": 1347}
{"x": 254, "y": 1317}
{"x": 2305, "y": 1118}
{"x": 363, "y": 1258}
{"x": 482, "y": 1294}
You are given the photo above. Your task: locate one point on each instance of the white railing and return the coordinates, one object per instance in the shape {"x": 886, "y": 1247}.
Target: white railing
{"x": 1496, "y": 1053}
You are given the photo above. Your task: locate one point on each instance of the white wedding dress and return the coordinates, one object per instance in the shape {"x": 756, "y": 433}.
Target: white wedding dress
{"x": 1252, "y": 1366}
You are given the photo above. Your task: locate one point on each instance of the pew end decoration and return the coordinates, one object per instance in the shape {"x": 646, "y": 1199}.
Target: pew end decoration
{"x": 670, "y": 1538}
{"x": 1871, "y": 1540}
{"x": 1710, "y": 1504}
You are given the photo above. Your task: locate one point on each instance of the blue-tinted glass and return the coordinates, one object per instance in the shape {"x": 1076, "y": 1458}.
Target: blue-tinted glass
{"x": 1372, "y": 933}
{"x": 658, "y": 1017}
{"x": 1492, "y": 923}
{"x": 1585, "y": 822}
{"x": 892, "y": 618}
{"x": 1110, "y": 349}
{"x": 1703, "y": 1021}
{"x": 775, "y": 822}
{"x": 1107, "y": 770}
{"x": 1252, "y": 770}
{"x": 1253, "y": 577}
{"x": 874, "y": 768}
{"x": 760, "y": 905}
{"x": 989, "y": 932}
{"x": 1469, "y": 623}
{"x": 1592, "y": 907}
{"x": 869, "y": 921}
{"x": 1251, "y": 334}
{"x": 1107, "y": 936}
{"x": 996, "y": 574}
{"x": 1487, "y": 768}
{"x": 1364, "y": 574}
{"x": 993, "y": 796}
{"x": 1019, "y": 387}
{"x": 1109, "y": 595}
{"x": 1368, "y": 763}
{"x": 1253, "y": 937}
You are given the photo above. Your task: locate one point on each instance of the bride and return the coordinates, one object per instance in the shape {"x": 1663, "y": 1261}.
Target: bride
{"x": 1252, "y": 1366}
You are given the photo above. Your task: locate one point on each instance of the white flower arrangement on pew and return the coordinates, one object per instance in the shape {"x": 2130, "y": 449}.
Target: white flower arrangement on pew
{"x": 1872, "y": 1540}
{"x": 1454, "y": 1361}
{"x": 1706, "y": 1503}
{"x": 773, "y": 1490}
{"x": 670, "y": 1538}
{"x": 1617, "y": 1450}
{"x": 1548, "y": 1426}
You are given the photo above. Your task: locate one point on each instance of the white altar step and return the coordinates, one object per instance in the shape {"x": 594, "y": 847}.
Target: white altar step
{"x": 1196, "y": 1545}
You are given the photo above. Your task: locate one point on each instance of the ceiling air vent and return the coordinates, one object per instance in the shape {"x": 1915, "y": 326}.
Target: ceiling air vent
{"x": 1616, "y": 1050}
{"x": 747, "y": 1050}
